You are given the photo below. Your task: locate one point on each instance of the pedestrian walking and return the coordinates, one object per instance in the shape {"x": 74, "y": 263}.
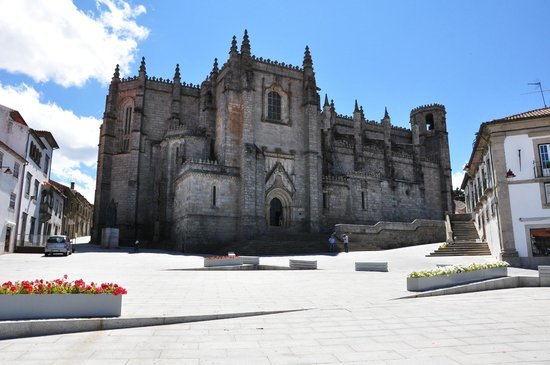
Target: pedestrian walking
{"x": 345, "y": 238}
{"x": 136, "y": 246}
{"x": 331, "y": 241}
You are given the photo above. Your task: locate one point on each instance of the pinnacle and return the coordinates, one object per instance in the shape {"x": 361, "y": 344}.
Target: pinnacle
{"x": 177, "y": 73}
{"x": 245, "y": 45}
{"x": 116, "y": 75}
{"x": 307, "y": 58}
{"x": 142, "y": 68}
{"x": 233, "y": 46}
{"x": 215, "y": 69}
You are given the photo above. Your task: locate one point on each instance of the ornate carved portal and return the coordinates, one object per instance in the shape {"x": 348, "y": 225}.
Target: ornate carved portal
{"x": 278, "y": 208}
{"x": 278, "y": 200}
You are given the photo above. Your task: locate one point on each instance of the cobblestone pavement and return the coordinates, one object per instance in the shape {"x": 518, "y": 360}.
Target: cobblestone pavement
{"x": 350, "y": 317}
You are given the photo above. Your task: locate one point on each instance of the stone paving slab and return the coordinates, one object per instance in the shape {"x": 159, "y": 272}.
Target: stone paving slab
{"x": 352, "y": 317}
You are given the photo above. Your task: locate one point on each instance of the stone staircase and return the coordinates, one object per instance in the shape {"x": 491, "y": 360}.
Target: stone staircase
{"x": 284, "y": 243}
{"x": 466, "y": 239}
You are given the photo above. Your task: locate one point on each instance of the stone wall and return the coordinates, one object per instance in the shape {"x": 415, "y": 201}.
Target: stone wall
{"x": 389, "y": 235}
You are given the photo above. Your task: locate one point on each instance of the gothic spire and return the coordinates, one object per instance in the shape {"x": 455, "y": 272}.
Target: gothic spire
{"x": 116, "y": 75}
{"x": 307, "y": 59}
{"x": 245, "y": 45}
{"x": 326, "y": 100}
{"x": 215, "y": 69}
{"x": 142, "y": 70}
{"x": 386, "y": 115}
{"x": 356, "y": 107}
{"x": 233, "y": 50}
{"x": 177, "y": 73}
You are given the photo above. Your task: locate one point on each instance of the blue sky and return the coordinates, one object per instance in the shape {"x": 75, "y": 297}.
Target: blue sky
{"x": 475, "y": 57}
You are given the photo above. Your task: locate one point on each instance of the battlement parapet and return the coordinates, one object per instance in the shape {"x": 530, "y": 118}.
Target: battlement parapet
{"x": 207, "y": 167}
{"x": 129, "y": 78}
{"x": 342, "y": 116}
{"x": 334, "y": 178}
{"x": 277, "y": 63}
{"x": 427, "y": 106}
{"x": 365, "y": 174}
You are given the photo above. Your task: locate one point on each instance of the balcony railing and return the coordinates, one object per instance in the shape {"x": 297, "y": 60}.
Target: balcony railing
{"x": 542, "y": 170}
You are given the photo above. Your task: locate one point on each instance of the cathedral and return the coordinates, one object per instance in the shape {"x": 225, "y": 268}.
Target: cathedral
{"x": 253, "y": 150}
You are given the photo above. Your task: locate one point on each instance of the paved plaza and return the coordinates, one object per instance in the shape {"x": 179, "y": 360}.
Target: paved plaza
{"x": 342, "y": 316}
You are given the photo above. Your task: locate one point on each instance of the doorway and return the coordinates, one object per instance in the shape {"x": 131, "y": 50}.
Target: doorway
{"x": 7, "y": 240}
{"x": 276, "y": 217}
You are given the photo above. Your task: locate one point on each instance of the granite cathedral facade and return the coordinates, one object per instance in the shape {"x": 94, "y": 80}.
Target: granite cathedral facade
{"x": 251, "y": 150}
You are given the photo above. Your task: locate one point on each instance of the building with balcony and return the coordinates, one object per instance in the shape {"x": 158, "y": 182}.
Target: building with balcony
{"x": 13, "y": 138}
{"x": 27, "y": 157}
{"x": 507, "y": 187}
{"x": 52, "y": 202}
{"x": 77, "y": 212}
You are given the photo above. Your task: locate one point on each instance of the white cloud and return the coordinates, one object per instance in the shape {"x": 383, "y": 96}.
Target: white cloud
{"x": 457, "y": 178}
{"x": 76, "y": 136}
{"x": 55, "y": 41}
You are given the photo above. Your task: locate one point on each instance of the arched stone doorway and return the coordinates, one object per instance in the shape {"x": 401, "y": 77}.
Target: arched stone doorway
{"x": 276, "y": 216}
{"x": 278, "y": 208}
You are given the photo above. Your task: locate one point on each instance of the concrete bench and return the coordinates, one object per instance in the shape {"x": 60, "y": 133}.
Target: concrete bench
{"x": 251, "y": 260}
{"x": 544, "y": 275}
{"x": 371, "y": 266}
{"x": 303, "y": 264}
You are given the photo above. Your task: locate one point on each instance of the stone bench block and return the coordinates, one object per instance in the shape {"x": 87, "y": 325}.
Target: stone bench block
{"x": 371, "y": 266}
{"x": 251, "y": 260}
{"x": 544, "y": 275}
{"x": 303, "y": 264}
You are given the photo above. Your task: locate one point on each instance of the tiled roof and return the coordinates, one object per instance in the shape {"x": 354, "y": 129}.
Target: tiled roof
{"x": 537, "y": 113}
{"x": 14, "y": 114}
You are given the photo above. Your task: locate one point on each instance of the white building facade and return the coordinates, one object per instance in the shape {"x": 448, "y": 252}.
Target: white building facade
{"x": 507, "y": 187}
{"x": 26, "y": 157}
{"x": 13, "y": 140}
{"x": 34, "y": 215}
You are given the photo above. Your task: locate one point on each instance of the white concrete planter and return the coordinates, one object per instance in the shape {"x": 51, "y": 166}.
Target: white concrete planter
{"x": 45, "y": 306}
{"x": 227, "y": 261}
{"x": 444, "y": 281}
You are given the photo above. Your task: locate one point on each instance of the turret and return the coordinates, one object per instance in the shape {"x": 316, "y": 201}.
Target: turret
{"x": 327, "y": 114}
{"x": 310, "y": 85}
{"x": 358, "y": 135}
{"x": 176, "y": 95}
{"x": 428, "y": 123}
{"x": 247, "y": 73}
{"x": 429, "y": 118}
{"x": 388, "y": 165}
{"x": 113, "y": 92}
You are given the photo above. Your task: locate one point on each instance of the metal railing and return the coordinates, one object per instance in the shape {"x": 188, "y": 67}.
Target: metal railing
{"x": 541, "y": 170}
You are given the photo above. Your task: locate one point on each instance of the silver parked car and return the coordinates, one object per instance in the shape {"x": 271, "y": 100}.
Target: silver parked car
{"x": 58, "y": 244}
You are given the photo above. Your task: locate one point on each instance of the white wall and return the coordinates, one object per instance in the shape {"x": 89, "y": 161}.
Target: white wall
{"x": 525, "y": 201}
{"x": 525, "y": 197}
{"x": 511, "y": 146}
{"x": 8, "y": 185}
